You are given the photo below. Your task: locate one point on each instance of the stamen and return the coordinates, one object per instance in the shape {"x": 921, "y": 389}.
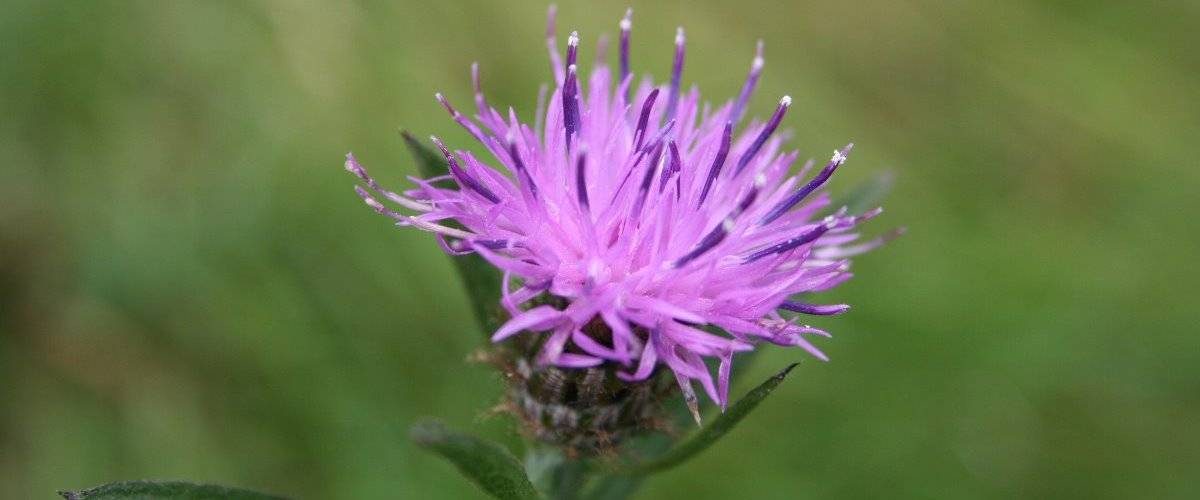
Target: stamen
{"x": 460, "y": 119}
{"x": 572, "y": 48}
{"x": 462, "y": 176}
{"x": 626, "y": 25}
{"x": 378, "y": 207}
{"x": 759, "y": 182}
{"x": 718, "y": 233}
{"x": 492, "y": 244}
{"x": 769, "y": 129}
{"x": 718, "y": 162}
{"x": 839, "y": 157}
{"x": 520, "y": 165}
{"x": 808, "y": 237}
{"x": 570, "y": 102}
{"x": 639, "y": 133}
{"x": 637, "y": 160}
{"x": 676, "y": 74}
{"x": 359, "y": 171}
{"x": 710, "y": 240}
{"x": 814, "y": 309}
{"x": 648, "y": 179}
{"x": 748, "y": 88}
{"x": 581, "y": 179}
{"x": 658, "y": 138}
{"x": 441, "y": 99}
{"x": 674, "y": 165}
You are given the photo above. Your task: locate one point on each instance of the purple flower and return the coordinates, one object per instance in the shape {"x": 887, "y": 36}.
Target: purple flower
{"x": 644, "y": 212}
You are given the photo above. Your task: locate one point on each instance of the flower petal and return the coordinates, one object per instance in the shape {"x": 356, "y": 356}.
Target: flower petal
{"x": 538, "y": 318}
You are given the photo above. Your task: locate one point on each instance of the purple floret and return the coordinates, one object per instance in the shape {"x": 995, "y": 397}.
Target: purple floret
{"x": 726, "y": 238}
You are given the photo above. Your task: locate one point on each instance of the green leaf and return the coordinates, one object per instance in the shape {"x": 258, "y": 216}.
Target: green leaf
{"x": 615, "y": 487}
{"x": 555, "y": 475}
{"x": 429, "y": 162}
{"x": 713, "y": 431}
{"x": 866, "y": 195}
{"x": 486, "y": 463}
{"x": 164, "y": 490}
{"x": 481, "y": 279}
{"x": 542, "y": 464}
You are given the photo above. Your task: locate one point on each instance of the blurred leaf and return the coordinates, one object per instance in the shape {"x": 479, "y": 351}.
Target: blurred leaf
{"x": 614, "y": 487}
{"x": 164, "y": 490}
{"x": 481, "y": 279}
{"x": 867, "y": 194}
{"x": 541, "y": 464}
{"x": 429, "y": 162}
{"x": 714, "y": 431}
{"x": 553, "y": 474}
{"x": 486, "y": 463}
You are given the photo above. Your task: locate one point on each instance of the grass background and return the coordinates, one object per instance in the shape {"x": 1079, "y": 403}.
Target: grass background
{"x": 190, "y": 289}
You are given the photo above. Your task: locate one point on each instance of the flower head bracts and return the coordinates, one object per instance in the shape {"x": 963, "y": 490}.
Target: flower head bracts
{"x": 643, "y": 210}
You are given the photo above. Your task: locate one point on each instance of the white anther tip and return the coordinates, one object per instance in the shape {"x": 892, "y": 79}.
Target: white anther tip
{"x": 679, "y": 36}
{"x": 838, "y": 157}
{"x": 573, "y": 40}
{"x": 786, "y": 101}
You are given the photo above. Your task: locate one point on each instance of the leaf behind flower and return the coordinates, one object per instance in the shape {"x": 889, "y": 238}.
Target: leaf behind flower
{"x": 481, "y": 279}
{"x": 714, "y": 431}
{"x": 488, "y": 464}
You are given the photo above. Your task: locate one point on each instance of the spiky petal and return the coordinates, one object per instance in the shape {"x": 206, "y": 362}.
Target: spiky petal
{"x": 615, "y": 270}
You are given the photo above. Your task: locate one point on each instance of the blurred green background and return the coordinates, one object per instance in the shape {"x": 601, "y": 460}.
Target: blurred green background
{"x": 189, "y": 288}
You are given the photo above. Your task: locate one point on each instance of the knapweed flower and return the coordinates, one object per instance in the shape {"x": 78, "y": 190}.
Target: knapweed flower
{"x": 637, "y": 227}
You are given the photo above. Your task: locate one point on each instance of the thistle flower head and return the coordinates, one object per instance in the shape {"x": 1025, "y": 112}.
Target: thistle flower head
{"x": 666, "y": 231}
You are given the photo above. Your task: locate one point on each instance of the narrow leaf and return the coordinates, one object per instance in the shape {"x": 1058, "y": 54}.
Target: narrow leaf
{"x": 715, "y": 430}
{"x": 481, "y": 279}
{"x": 165, "y": 490}
{"x": 487, "y": 464}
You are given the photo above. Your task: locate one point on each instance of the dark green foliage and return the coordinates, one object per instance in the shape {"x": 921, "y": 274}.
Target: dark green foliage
{"x": 714, "y": 431}
{"x": 164, "y": 490}
{"x": 489, "y": 465}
